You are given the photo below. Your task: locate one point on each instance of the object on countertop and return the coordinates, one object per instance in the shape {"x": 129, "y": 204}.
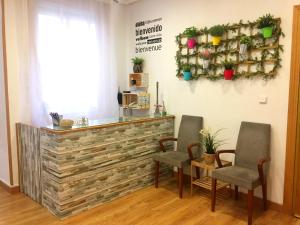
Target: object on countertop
{"x": 84, "y": 121}
{"x": 56, "y": 118}
{"x": 66, "y": 123}
{"x": 119, "y": 97}
{"x": 164, "y": 110}
{"x": 157, "y": 112}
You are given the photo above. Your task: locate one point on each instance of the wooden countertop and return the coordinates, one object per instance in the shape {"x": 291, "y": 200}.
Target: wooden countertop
{"x": 103, "y": 123}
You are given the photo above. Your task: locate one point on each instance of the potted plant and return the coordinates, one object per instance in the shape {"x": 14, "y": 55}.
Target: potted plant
{"x": 137, "y": 64}
{"x": 228, "y": 70}
{"x": 205, "y": 56}
{"x": 245, "y": 43}
{"x": 266, "y": 24}
{"x": 217, "y": 32}
{"x": 191, "y": 34}
{"x": 187, "y": 71}
{"x": 210, "y": 144}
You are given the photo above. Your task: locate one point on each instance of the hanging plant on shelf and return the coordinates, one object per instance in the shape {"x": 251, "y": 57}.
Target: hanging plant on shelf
{"x": 137, "y": 64}
{"x": 265, "y": 24}
{"x": 217, "y": 32}
{"x": 205, "y": 56}
{"x": 187, "y": 75}
{"x": 247, "y": 48}
{"x": 245, "y": 44}
{"x": 228, "y": 70}
{"x": 191, "y": 33}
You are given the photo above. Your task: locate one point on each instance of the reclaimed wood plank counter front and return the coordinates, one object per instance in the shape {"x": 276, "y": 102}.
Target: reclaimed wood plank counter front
{"x": 85, "y": 167}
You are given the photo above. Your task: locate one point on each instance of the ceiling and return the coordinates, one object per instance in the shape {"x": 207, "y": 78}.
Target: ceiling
{"x": 126, "y": 2}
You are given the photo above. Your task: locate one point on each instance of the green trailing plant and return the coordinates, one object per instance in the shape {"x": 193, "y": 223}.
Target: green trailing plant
{"x": 228, "y": 65}
{"x": 270, "y": 52}
{"x": 246, "y": 40}
{"x": 186, "y": 67}
{"x": 209, "y": 140}
{"x": 190, "y": 32}
{"x": 137, "y": 61}
{"x": 266, "y": 21}
{"x": 217, "y": 30}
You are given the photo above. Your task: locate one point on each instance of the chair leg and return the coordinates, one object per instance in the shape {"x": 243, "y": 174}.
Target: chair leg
{"x": 264, "y": 192}
{"x": 192, "y": 178}
{"x": 197, "y": 172}
{"x": 213, "y": 194}
{"x": 250, "y": 206}
{"x": 178, "y": 178}
{"x": 156, "y": 175}
{"x": 180, "y": 172}
{"x": 236, "y": 192}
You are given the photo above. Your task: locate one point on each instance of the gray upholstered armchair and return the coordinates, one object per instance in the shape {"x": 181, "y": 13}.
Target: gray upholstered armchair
{"x": 252, "y": 151}
{"x": 188, "y": 148}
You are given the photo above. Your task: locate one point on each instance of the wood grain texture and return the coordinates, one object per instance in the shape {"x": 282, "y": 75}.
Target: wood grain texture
{"x": 149, "y": 206}
{"x": 29, "y": 161}
{"x": 11, "y": 190}
{"x": 292, "y": 115}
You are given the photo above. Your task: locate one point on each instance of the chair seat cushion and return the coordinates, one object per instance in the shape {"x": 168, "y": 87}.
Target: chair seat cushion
{"x": 240, "y": 176}
{"x": 173, "y": 158}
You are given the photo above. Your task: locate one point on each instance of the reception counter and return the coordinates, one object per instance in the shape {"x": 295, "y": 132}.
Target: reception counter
{"x": 86, "y": 166}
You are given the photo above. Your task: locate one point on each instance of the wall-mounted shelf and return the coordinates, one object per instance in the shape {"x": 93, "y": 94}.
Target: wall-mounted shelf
{"x": 140, "y": 79}
{"x": 142, "y": 100}
{"x": 263, "y": 57}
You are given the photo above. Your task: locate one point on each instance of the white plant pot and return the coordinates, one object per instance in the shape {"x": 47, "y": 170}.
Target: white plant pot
{"x": 243, "y": 49}
{"x": 205, "y": 63}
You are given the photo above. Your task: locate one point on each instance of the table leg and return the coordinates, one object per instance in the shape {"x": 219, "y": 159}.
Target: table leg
{"x": 191, "y": 179}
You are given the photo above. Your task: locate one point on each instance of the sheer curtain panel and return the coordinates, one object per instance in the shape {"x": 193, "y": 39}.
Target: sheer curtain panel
{"x": 65, "y": 58}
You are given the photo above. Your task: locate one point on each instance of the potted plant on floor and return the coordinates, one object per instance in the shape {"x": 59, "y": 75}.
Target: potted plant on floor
{"x": 205, "y": 56}
{"x": 137, "y": 64}
{"x": 187, "y": 72}
{"x": 228, "y": 70}
{"x": 191, "y": 34}
{"x": 210, "y": 144}
{"x": 216, "y": 32}
{"x": 265, "y": 24}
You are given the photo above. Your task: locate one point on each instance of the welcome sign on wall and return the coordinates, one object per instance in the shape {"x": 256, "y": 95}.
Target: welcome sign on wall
{"x": 148, "y": 35}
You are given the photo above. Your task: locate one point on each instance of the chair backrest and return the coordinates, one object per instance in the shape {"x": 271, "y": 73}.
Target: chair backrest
{"x": 189, "y": 133}
{"x": 253, "y": 144}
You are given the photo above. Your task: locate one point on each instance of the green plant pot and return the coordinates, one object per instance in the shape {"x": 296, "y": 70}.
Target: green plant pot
{"x": 267, "y": 32}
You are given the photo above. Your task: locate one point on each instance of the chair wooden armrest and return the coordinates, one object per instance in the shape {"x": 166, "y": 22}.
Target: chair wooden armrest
{"x": 189, "y": 149}
{"x": 161, "y": 142}
{"x": 218, "y": 153}
{"x": 260, "y": 167}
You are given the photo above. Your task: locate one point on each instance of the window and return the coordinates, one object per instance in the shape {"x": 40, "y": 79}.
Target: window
{"x": 69, "y": 64}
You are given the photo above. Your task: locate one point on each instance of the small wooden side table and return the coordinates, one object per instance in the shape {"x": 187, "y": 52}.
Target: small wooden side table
{"x": 205, "y": 182}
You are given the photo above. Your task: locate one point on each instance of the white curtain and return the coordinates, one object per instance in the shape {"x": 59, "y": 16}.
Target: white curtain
{"x": 66, "y": 59}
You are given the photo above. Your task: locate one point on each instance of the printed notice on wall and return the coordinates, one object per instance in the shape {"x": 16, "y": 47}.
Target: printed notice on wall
{"x": 148, "y": 35}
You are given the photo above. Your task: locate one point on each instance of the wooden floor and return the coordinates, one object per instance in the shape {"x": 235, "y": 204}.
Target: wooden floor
{"x": 148, "y": 206}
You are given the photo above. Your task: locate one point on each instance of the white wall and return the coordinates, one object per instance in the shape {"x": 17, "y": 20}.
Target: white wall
{"x": 13, "y": 81}
{"x": 223, "y": 104}
{"x": 4, "y": 167}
